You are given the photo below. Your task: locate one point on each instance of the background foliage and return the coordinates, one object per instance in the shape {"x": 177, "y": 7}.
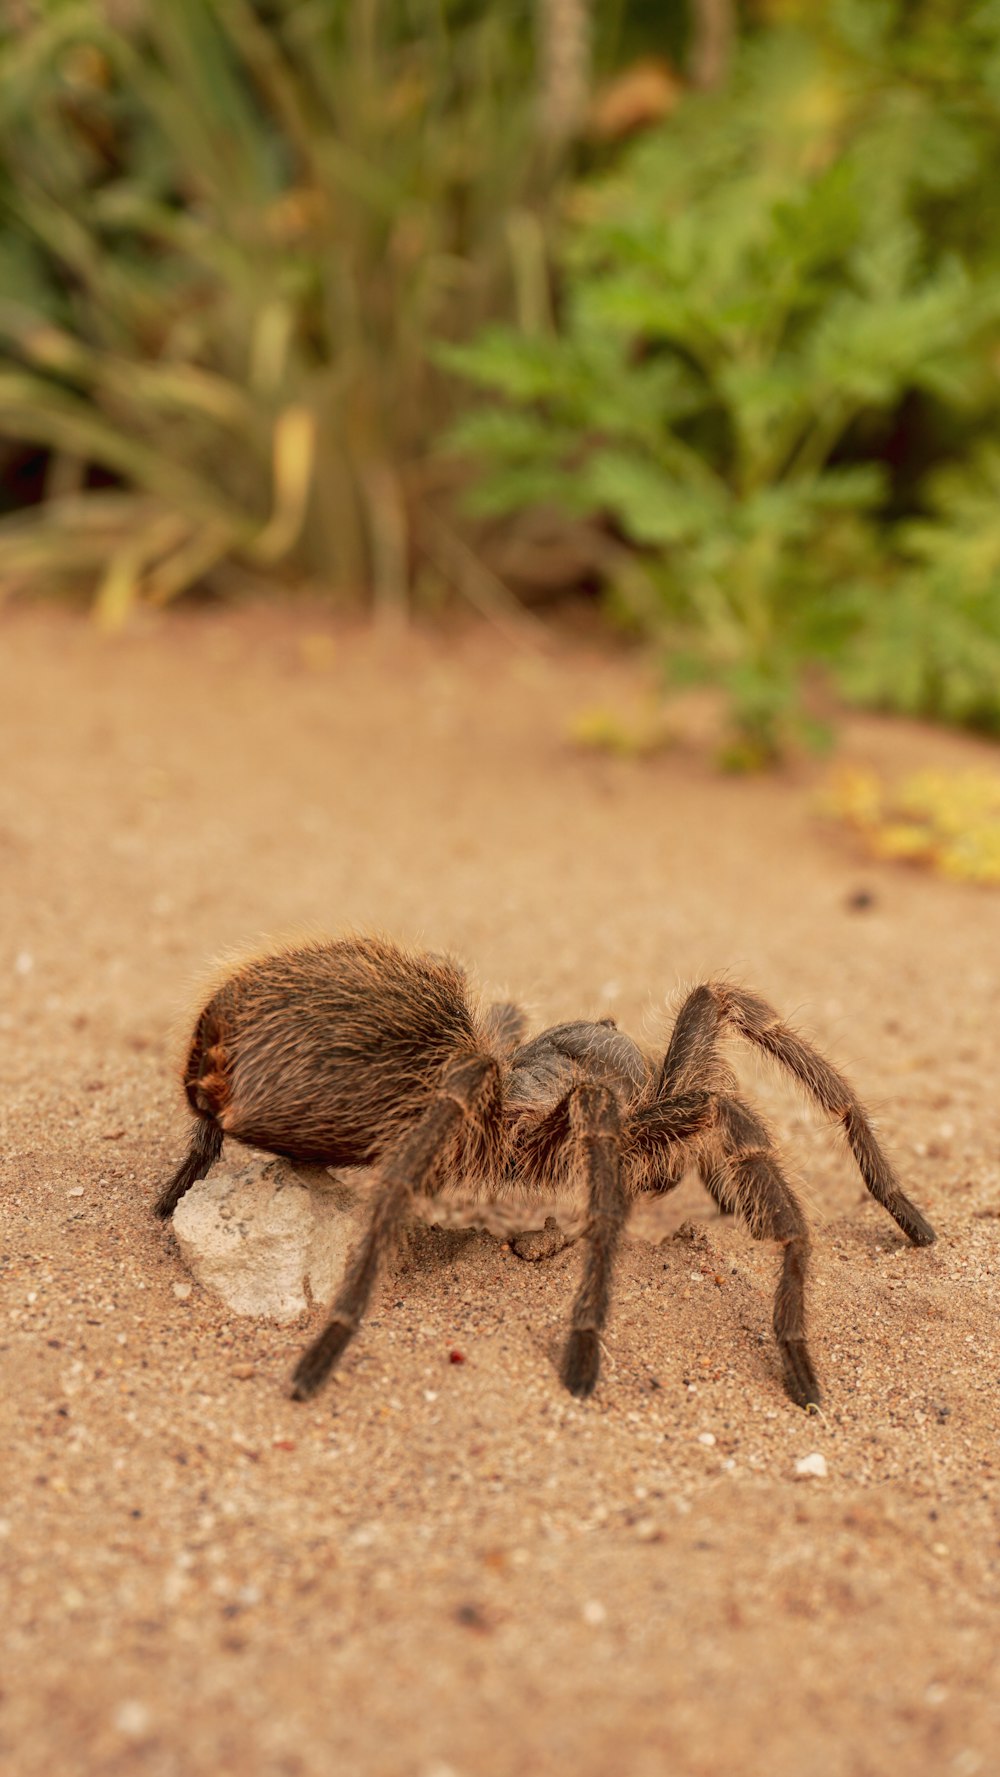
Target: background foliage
{"x": 778, "y": 316}
{"x": 229, "y": 233}
{"x": 377, "y": 291}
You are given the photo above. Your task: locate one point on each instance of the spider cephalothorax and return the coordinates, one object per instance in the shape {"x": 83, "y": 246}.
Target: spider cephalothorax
{"x": 355, "y": 1052}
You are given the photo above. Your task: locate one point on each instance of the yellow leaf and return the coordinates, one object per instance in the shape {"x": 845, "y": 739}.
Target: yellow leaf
{"x": 294, "y": 453}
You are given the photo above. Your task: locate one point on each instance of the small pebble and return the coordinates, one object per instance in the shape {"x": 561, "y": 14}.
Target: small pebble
{"x": 860, "y": 900}
{"x": 967, "y": 1762}
{"x": 707, "y": 1438}
{"x": 182, "y": 1291}
{"x": 808, "y": 1466}
{"x": 242, "y": 1372}
{"x": 132, "y": 1718}
{"x": 75, "y": 1191}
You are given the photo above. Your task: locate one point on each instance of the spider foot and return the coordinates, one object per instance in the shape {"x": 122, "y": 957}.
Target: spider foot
{"x": 915, "y": 1226}
{"x": 315, "y": 1364}
{"x": 800, "y": 1377}
{"x": 582, "y": 1362}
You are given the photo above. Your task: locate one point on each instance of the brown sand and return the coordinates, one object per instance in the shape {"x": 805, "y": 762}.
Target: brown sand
{"x": 440, "y": 1568}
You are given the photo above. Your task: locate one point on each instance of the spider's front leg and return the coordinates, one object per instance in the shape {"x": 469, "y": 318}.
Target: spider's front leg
{"x": 692, "y": 1063}
{"x": 716, "y": 1005}
{"x": 753, "y": 1181}
{"x": 737, "y": 1153}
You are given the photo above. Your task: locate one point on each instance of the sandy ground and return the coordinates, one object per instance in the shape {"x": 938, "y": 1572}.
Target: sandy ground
{"x": 454, "y": 1570}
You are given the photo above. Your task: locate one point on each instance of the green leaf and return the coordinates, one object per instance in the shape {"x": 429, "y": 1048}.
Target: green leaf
{"x": 651, "y": 508}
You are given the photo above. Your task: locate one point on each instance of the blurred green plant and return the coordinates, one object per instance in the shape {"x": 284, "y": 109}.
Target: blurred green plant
{"x": 759, "y": 283}
{"x": 228, "y": 233}
{"x": 931, "y": 646}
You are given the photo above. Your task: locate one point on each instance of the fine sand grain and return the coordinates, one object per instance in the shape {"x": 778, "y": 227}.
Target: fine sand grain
{"x": 442, "y": 1568}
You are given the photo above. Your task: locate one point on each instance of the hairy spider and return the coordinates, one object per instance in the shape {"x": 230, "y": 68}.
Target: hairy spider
{"x": 358, "y": 1053}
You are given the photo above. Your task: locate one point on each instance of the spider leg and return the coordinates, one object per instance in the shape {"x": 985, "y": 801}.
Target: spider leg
{"x": 704, "y": 1014}
{"x": 713, "y": 1177}
{"x": 467, "y": 1096}
{"x": 206, "y": 1146}
{"x": 659, "y": 1134}
{"x": 739, "y": 1157}
{"x": 594, "y": 1139}
{"x": 757, "y": 1187}
{"x": 207, "y": 1089}
{"x": 693, "y": 1060}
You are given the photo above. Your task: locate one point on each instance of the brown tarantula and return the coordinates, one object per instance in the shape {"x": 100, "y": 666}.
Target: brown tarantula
{"x": 357, "y": 1053}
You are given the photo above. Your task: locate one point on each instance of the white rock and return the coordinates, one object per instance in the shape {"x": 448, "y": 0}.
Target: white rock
{"x": 807, "y": 1466}
{"x": 260, "y": 1232}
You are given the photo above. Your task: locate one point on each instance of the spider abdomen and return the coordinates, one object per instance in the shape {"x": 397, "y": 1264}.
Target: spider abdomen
{"x": 322, "y": 1052}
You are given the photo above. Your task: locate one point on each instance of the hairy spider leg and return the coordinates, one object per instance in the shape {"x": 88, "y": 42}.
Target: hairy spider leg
{"x": 659, "y": 1134}
{"x": 206, "y": 1146}
{"x": 468, "y": 1095}
{"x": 710, "y": 1008}
{"x": 597, "y": 1141}
{"x": 760, "y": 1191}
{"x": 594, "y": 1141}
{"x": 692, "y": 1063}
{"x": 206, "y": 1087}
{"x": 738, "y": 1152}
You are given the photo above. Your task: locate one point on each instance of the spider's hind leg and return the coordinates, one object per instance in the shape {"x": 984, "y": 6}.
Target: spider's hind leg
{"x": 206, "y": 1146}
{"x": 207, "y": 1088}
